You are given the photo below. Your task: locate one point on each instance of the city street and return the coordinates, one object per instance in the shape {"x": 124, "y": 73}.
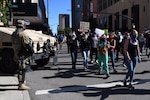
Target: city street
{"x": 32, "y": 28}
{"x": 60, "y": 82}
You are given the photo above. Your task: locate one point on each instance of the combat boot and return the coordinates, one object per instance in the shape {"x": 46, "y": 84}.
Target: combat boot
{"x": 23, "y": 87}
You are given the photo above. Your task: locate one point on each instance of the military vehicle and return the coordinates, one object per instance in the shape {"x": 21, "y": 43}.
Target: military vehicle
{"x": 43, "y": 48}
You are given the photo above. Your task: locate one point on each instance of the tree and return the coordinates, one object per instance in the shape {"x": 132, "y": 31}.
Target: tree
{"x": 67, "y": 30}
{"x": 61, "y": 32}
{"x": 5, "y": 10}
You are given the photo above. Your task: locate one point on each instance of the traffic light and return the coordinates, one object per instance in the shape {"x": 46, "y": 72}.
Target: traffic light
{"x": 4, "y": 3}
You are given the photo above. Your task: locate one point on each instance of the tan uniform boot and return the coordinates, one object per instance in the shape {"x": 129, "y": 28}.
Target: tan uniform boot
{"x": 23, "y": 87}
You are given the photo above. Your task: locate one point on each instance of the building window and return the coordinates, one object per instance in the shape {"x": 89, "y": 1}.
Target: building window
{"x": 109, "y": 2}
{"x": 116, "y": 1}
{"x": 104, "y": 4}
{"x": 27, "y": 1}
{"x": 91, "y": 6}
{"x": 144, "y": 9}
{"x": 14, "y": 1}
{"x": 19, "y": 1}
{"x": 100, "y": 5}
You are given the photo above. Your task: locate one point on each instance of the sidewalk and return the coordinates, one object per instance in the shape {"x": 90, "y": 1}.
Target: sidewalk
{"x": 9, "y": 89}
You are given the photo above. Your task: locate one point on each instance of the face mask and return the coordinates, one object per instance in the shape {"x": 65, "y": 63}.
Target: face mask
{"x": 134, "y": 35}
{"x": 73, "y": 38}
{"x": 103, "y": 39}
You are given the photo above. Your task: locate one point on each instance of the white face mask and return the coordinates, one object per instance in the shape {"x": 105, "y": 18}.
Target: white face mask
{"x": 73, "y": 38}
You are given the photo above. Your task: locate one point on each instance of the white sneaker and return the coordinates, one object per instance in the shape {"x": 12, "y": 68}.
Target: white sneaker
{"x": 96, "y": 61}
{"x": 124, "y": 65}
{"x": 91, "y": 62}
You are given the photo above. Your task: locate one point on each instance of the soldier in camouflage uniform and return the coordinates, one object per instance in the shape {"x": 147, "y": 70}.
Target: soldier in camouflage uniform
{"x": 20, "y": 39}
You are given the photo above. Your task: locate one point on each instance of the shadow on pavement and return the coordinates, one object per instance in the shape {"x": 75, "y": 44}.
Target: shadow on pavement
{"x": 103, "y": 92}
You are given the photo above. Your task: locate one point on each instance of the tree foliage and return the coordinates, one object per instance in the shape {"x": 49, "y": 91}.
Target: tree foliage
{"x": 65, "y": 31}
{"x": 4, "y": 9}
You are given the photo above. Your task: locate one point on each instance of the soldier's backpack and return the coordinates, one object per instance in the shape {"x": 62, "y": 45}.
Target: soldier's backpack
{"x": 28, "y": 49}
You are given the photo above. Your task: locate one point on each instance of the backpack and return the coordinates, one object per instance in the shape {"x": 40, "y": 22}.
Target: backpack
{"x": 27, "y": 50}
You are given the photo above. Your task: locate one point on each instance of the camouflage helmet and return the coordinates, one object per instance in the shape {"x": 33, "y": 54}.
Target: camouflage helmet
{"x": 21, "y": 23}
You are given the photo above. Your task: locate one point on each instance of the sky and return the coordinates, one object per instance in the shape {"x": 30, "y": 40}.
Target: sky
{"x": 56, "y": 7}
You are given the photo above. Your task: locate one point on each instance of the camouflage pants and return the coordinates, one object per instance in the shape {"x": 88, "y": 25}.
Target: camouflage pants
{"x": 21, "y": 71}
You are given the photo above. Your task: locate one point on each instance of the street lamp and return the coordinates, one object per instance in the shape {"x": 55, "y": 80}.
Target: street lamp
{"x": 78, "y": 6}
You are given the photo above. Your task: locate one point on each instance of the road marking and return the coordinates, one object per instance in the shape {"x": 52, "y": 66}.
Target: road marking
{"x": 79, "y": 88}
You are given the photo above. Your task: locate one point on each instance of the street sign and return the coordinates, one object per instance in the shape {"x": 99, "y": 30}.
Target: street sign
{"x": 14, "y": 6}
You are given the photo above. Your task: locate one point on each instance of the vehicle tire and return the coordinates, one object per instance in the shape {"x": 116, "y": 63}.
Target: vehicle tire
{"x": 7, "y": 63}
{"x": 42, "y": 62}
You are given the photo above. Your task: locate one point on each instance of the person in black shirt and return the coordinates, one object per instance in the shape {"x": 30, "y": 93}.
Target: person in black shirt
{"x": 132, "y": 55}
{"x": 73, "y": 50}
{"x": 85, "y": 47}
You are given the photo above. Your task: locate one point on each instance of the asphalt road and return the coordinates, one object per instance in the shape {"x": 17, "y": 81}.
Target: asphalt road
{"x": 62, "y": 83}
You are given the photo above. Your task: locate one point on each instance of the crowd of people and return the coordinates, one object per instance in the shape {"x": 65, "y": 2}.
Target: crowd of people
{"x": 97, "y": 49}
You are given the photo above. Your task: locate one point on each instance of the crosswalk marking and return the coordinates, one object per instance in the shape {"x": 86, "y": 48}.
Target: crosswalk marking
{"x": 80, "y": 88}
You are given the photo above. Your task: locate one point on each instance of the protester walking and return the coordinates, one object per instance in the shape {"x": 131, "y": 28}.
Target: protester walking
{"x": 68, "y": 38}
{"x": 126, "y": 37}
{"x": 60, "y": 40}
{"x": 73, "y": 50}
{"x": 119, "y": 39}
{"x": 102, "y": 49}
{"x": 85, "y": 47}
{"x": 141, "y": 42}
{"x": 132, "y": 56}
{"x": 112, "y": 46}
{"x": 94, "y": 48}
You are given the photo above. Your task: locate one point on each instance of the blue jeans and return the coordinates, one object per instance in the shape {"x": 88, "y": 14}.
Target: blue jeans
{"x": 74, "y": 57}
{"x": 131, "y": 68}
{"x": 86, "y": 54}
{"x": 112, "y": 57}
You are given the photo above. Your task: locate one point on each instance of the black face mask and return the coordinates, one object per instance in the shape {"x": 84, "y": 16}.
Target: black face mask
{"x": 103, "y": 39}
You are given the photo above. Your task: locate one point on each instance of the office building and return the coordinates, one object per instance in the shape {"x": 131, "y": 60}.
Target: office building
{"x": 84, "y": 10}
{"x": 77, "y": 13}
{"x": 64, "y": 21}
{"x": 122, "y": 14}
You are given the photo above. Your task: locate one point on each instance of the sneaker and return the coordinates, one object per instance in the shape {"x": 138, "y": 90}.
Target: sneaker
{"x": 124, "y": 65}
{"x": 91, "y": 62}
{"x": 98, "y": 73}
{"x": 107, "y": 76}
{"x": 73, "y": 66}
{"x": 96, "y": 61}
{"x": 130, "y": 86}
{"x": 85, "y": 68}
{"x": 23, "y": 87}
{"x": 115, "y": 71}
{"x": 148, "y": 55}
